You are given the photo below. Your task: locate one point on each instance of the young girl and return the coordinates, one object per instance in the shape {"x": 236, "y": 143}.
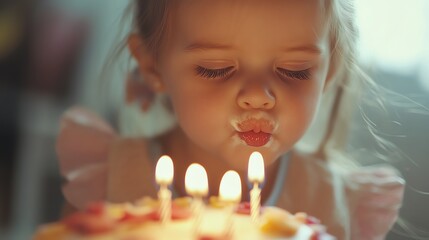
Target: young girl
{"x": 220, "y": 79}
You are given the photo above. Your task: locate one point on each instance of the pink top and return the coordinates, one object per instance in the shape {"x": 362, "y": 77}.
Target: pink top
{"x": 373, "y": 194}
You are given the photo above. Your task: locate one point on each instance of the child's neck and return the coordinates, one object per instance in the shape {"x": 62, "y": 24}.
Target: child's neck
{"x": 184, "y": 152}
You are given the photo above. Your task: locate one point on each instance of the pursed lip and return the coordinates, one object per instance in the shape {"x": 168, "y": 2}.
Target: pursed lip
{"x": 255, "y": 125}
{"x": 255, "y": 132}
{"x": 255, "y": 139}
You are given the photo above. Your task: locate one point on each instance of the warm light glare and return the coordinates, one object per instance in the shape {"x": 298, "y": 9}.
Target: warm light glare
{"x": 164, "y": 171}
{"x": 256, "y": 170}
{"x": 196, "y": 182}
{"x": 230, "y": 187}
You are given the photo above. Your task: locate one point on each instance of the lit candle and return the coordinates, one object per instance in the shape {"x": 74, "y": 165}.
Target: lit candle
{"x": 196, "y": 185}
{"x": 196, "y": 182}
{"x": 164, "y": 173}
{"x": 230, "y": 193}
{"x": 230, "y": 187}
{"x": 256, "y": 176}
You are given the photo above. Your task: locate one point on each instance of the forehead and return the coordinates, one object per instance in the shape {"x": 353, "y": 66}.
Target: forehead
{"x": 250, "y": 22}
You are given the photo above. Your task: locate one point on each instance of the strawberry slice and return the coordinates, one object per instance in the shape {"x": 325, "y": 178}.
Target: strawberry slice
{"x": 139, "y": 218}
{"x": 310, "y": 220}
{"x": 315, "y": 236}
{"x": 179, "y": 212}
{"x": 96, "y": 208}
{"x": 243, "y": 208}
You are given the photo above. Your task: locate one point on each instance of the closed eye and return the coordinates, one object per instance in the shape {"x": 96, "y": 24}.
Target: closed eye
{"x": 214, "y": 73}
{"x": 299, "y": 75}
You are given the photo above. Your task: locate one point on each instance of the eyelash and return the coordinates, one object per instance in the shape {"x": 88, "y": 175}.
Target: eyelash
{"x": 223, "y": 72}
{"x": 213, "y": 73}
{"x": 299, "y": 75}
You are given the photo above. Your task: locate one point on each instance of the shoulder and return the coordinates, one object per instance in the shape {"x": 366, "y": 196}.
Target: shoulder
{"x": 130, "y": 164}
{"x": 126, "y": 152}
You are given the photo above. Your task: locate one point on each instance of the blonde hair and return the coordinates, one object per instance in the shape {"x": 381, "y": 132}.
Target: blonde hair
{"x": 327, "y": 138}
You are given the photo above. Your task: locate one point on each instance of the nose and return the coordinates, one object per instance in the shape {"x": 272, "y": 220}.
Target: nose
{"x": 256, "y": 96}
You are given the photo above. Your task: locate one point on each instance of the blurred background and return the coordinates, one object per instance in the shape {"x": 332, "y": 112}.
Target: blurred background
{"x": 52, "y": 54}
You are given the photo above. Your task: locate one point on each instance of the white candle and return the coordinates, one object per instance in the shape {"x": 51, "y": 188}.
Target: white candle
{"x": 164, "y": 173}
{"x": 196, "y": 185}
{"x": 230, "y": 193}
{"x": 256, "y": 176}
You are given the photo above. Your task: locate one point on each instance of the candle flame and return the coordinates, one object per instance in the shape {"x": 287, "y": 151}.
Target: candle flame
{"x": 196, "y": 182}
{"x": 230, "y": 187}
{"x": 164, "y": 171}
{"x": 256, "y": 169}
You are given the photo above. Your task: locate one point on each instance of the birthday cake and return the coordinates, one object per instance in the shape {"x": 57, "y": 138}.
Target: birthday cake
{"x": 141, "y": 220}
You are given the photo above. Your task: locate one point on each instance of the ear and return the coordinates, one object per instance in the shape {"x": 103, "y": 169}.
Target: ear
{"x": 147, "y": 63}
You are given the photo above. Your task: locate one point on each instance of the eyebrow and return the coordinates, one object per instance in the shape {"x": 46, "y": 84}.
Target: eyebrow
{"x": 197, "y": 46}
{"x": 305, "y": 48}
{"x": 200, "y": 46}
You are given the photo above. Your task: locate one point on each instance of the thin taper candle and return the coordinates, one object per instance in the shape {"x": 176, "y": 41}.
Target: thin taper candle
{"x": 164, "y": 173}
{"x": 196, "y": 185}
{"x": 230, "y": 193}
{"x": 256, "y": 176}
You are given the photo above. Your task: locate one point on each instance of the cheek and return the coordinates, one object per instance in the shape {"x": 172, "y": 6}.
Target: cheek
{"x": 310, "y": 96}
{"x": 299, "y": 110}
{"x": 196, "y": 103}
{"x": 192, "y": 112}
{"x": 197, "y": 115}
{"x": 311, "y": 102}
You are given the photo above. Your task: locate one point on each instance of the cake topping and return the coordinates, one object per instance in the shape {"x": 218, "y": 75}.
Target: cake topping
{"x": 109, "y": 219}
{"x": 275, "y": 221}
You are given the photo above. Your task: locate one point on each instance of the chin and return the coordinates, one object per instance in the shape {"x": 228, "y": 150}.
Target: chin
{"x": 238, "y": 158}
{"x": 238, "y": 165}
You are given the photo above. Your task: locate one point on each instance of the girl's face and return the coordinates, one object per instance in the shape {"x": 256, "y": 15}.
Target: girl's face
{"x": 245, "y": 75}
